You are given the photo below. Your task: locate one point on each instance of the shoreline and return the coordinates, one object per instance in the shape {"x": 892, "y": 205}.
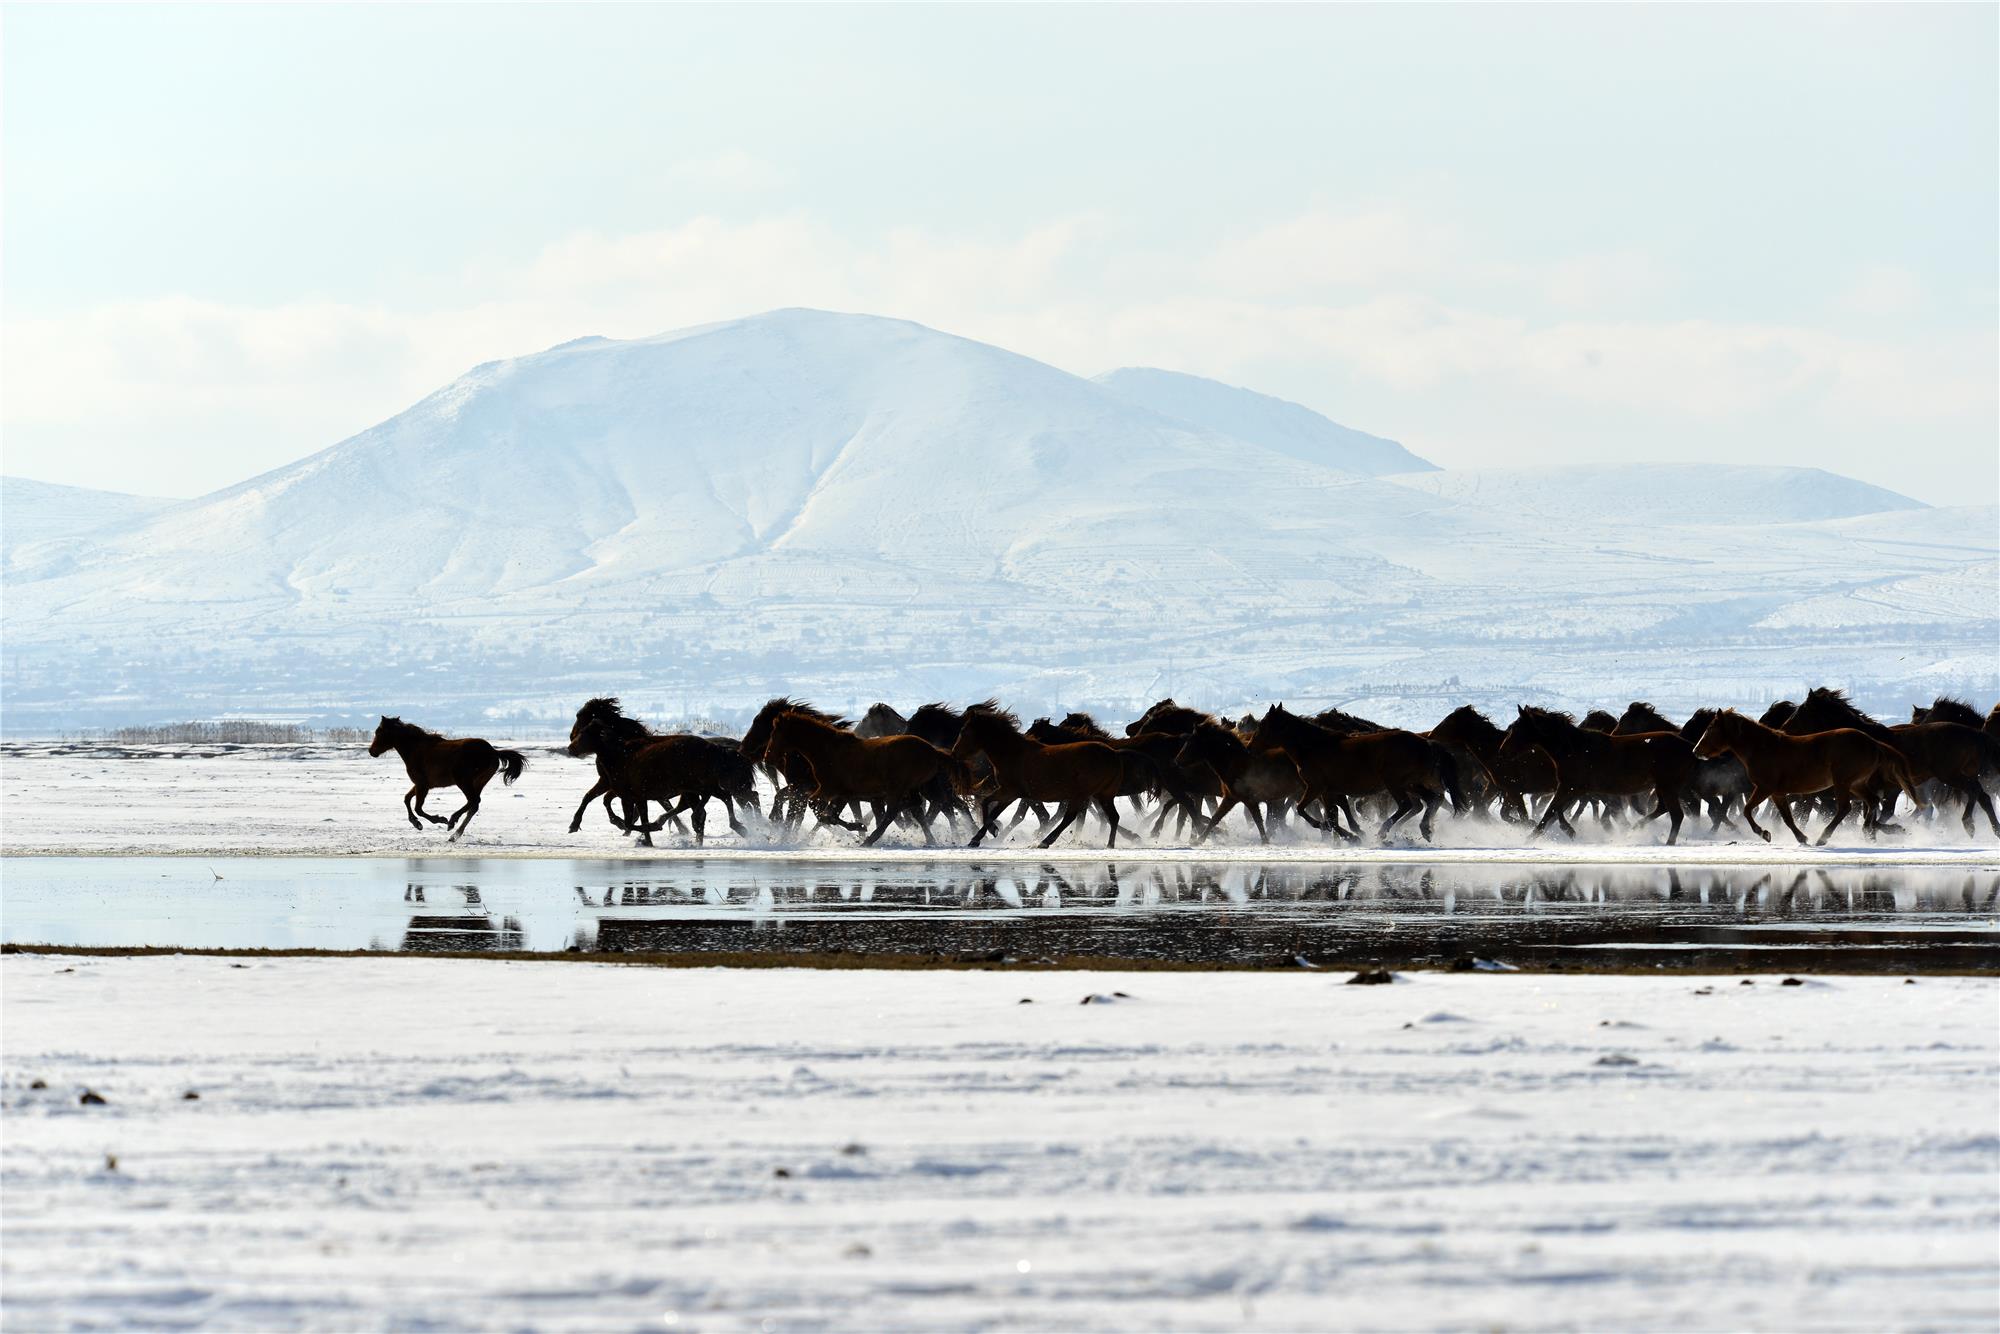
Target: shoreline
{"x": 1697, "y": 855}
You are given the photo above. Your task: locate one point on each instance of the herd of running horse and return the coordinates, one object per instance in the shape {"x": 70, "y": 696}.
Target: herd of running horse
{"x": 976, "y": 764}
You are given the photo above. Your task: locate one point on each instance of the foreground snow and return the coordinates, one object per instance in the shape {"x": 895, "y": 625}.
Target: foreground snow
{"x": 438, "y": 1144}
{"x": 334, "y": 799}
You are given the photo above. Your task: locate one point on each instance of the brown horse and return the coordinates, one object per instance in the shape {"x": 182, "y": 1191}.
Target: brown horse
{"x": 1949, "y": 753}
{"x": 1415, "y": 771}
{"x": 1844, "y": 761}
{"x": 1181, "y": 790}
{"x": 789, "y": 774}
{"x": 1165, "y": 716}
{"x": 1597, "y": 764}
{"x": 890, "y": 772}
{"x": 690, "y": 770}
{"x": 1250, "y": 779}
{"x": 1718, "y": 780}
{"x": 1078, "y": 775}
{"x": 435, "y": 761}
{"x": 1947, "y": 709}
{"x": 1525, "y": 773}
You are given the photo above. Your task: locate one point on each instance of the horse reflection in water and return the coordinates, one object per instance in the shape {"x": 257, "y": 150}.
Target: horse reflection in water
{"x": 1243, "y": 911}
{"x": 472, "y": 929}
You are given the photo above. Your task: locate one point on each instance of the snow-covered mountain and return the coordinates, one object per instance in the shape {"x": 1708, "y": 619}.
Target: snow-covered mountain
{"x": 32, "y": 511}
{"x": 1283, "y": 427}
{"x": 857, "y": 507}
{"x": 1685, "y": 492}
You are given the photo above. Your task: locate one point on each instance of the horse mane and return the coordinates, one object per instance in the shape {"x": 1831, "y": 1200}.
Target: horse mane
{"x": 1345, "y": 722}
{"x": 991, "y": 708}
{"x": 1699, "y": 720}
{"x": 1467, "y": 716}
{"x": 1777, "y": 713}
{"x": 1647, "y": 713}
{"x": 1951, "y": 709}
{"x": 402, "y": 728}
{"x": 1538, "y": 716}
{"x": 1598, "y": 720}
{"x": 786, "y": 704}
{"x": 1838, "y": 701}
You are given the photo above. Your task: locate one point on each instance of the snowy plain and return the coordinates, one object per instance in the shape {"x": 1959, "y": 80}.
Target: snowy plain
{"x": 333, "y": 799}
{"x": 438, "y": 1144}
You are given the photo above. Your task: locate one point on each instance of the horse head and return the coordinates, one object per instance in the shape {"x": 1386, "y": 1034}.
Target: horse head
{"x": 1715, "y": 738}
{"x": 385, "y": 735}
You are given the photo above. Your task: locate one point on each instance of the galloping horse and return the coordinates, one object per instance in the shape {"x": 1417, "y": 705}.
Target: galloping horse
{"x": 790, "y": 775}
{"x": 889, "y": 772}
{"x": 435, "y": 761}
{"x": 1718, "y": 780}
{"x": 1949, "y": 753}
{"x": 1516, "y": 777}
{"x": 691, "y": 770}
{"x": 1416, "y": 771}
{"x": 1078, "y": 775}
{"x": 1844, "y": 761}
{"x": 1250, "y": 779}
{"x": 1590, "y": 763}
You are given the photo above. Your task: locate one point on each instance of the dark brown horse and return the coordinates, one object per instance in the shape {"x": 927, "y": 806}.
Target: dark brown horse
{"x": 1845, "y": 762}
{"x": 1591, "y": 763}
{"x": 1719, "y": 780}
{"x": 1181, "y": 790}
{"x": 890, "y": 772}
{"x": 688, "y": 770}
{"x": 1948, "y": 709}
{"x": 1335, "y": 767}
{"x": 1166, "y": 716}
{"x": 435, "y": 761}
{"x": 1525, "y": 773}
{"x": 1948, "y": 753}
{"x": 1254, "y": 780}
{"x": 790, "y": 775}
{"x": 1076, "y": 775}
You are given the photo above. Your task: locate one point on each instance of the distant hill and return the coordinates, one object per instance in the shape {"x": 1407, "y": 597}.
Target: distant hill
{"x": 1277, "y": 425}
{"x": 32, "y": 511}
{"x": 858, "y": 508}
{"x": 1678, "y": 492}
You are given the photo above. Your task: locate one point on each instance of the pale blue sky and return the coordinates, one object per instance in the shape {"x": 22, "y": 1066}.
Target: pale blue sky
{"x": 1501, "y": 235}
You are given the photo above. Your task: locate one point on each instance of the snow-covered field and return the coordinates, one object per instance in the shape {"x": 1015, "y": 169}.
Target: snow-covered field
{"x": 429, "y": 1144}
{"x": 334, "y": 799}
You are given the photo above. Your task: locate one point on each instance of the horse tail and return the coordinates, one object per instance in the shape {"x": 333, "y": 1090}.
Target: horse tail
{"x": 1446, "y": 764}
{"x": 963, "y": 781}
{"x": 1454, "y": 772}
{"x": 1899, "y": 769}
{"x": 1988, "y": 747}
{"x": 511, "y": 764}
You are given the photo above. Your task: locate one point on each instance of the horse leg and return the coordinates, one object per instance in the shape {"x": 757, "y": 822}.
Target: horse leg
{"x": 602, "y": 789}
{"x": 699, "y": 817}
{"x": 1841, "y": 807}
{"x": 1670, "y": 806}
{"x": 1432, "y": 800}
{"x": 890, "y": 809}
{"x": 1554, "y": 812}
{"x": 1976, "y": 790}
{"x": 1070, "y": 811}
{"x": 989, "y": 818}
{"x": 413, "y": 806}
{"x": 1785, "y": 810}
{"x": 1108, "y": 808}
{"x": 463, "y": 819}
{"x": 1263, "y": 834}
{"x": 1228, "y": 804}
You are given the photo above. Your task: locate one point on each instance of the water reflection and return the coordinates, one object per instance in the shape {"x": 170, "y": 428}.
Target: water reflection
{"x": 1193, "y": 911}
{"x": 471, "y": 929}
